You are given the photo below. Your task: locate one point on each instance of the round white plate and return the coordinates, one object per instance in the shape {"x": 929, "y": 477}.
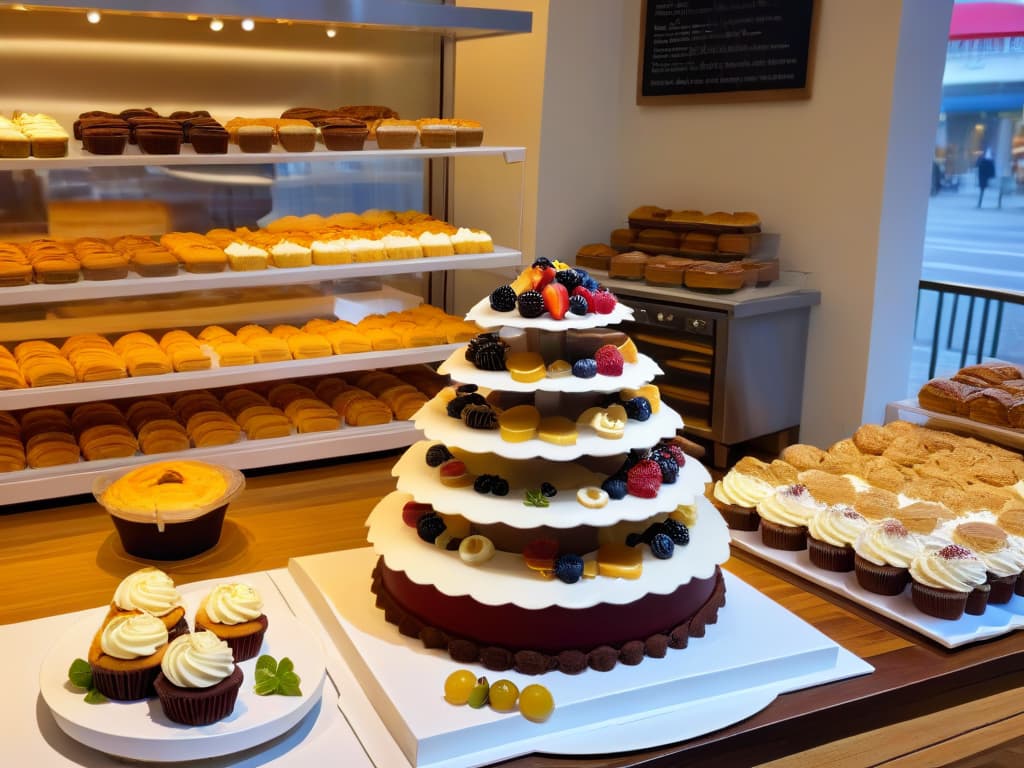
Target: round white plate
{"x": 139, "y": 730}
{"x": 482, "y": 314}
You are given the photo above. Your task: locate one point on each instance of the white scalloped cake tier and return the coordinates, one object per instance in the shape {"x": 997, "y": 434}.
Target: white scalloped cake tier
{"x": 436, "y": 424}
{"x": 482, "y": 314}
{"x": 422, "y": 483}
{"x": 633, "y": 375}
{"x": 506, "y": 579}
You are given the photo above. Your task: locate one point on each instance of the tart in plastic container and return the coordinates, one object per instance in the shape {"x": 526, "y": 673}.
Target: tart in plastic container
{"x": 169, "y": 510}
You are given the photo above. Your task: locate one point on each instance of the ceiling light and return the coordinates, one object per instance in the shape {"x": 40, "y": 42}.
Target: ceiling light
{"x": 216, "y": 25}
{"x": 93, "y": 17}
{"x": 248, "y": 25}
{"x": 331, "y": 32}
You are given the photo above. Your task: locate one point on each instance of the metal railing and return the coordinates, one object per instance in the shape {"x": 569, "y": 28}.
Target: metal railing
{"x": 991, "y": 304}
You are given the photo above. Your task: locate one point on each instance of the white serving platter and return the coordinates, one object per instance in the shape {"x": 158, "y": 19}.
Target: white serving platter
{"x": 482, "y": 314}
{"x": 140, "y": 731}
{"x": 505, "y": 579}
{"x": 633, "y": 375}
{"x": 995, "y": 621}
{"x": 421, "y": 482}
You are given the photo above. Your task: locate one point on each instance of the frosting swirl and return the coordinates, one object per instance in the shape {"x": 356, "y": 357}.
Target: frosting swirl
{"x": 953, "y": 567}
{"x": 790, "y": 505}
{"x": 197, "y": 660}
{"x": 741, "y": 490}
{"x": 132, "y": 636}
{"x": 149, "y": 590}
{"x": 233, "y": 603}
{"x": 888, "y": 542}
{"x": 838, "y": 525}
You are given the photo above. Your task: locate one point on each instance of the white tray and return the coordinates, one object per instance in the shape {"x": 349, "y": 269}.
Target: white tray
{"x": 996, "y": 620}
{"x": 633, "y": 375}
{"x": 717, "y": 680}
{"x": 436, "y": 424}
{"x": 911, "y": 410}
{"x": 140, "y": 731}
{"x": 421, "y": 482}
{"x": 506, "y": 579}
{"x": 482, "y": 314}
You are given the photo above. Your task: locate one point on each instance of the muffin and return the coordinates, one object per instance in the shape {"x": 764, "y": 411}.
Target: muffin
{"x": 125, "y": 656}
{"x": 234, "y": 613}
{"x": 169, "y": 510}
{"x": 396, "y": 134}
{"x": 831, "y": 532}
{"x": 297, "y": 138}
{"x": 343, "y": 134}
{"x": 882, "y": 555}
{"x": 784, "y": 516}
{"x": 150, "y": 590}
{"x": 943, "y": 579}
{"x": 736, "y": 495}
{"x": 198, "y": 682}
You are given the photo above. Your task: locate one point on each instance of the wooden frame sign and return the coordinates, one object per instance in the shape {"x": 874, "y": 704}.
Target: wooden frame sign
{"x": 725, "y": 50}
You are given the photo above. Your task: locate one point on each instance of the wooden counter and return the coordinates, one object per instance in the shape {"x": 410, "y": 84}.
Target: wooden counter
{"x": 60, "y": 558}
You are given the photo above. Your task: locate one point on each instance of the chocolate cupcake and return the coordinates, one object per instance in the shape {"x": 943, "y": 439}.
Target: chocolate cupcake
{"x": 209, "y": 139}
{"x": 784, "y": 516}
{"x": 343, "y": 133}
{"x": 944, "y": 579}
{"x": 159, "y": 141}
{"x": 883, "y": 553}
{"x": 1003, "y": 562}
{"x": 234, "y": 613}
{"x": 199, "y": 681}
{"x": 737, "y": 494}
{"x": 105, "y": 140}
{"x": 830, "y": 536}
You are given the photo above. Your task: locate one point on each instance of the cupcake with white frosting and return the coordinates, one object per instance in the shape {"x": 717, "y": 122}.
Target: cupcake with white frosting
{"x": 150, "y": 590}
{"x": 882, "y": 555}
{"x": 125, "y": 656}
{"x": 784, "y": 516}
{"x": 830, "y": 535}
{"x": 943, "y": 579}
{"x": 234, "y": 613}
{"x": 199, "y": 681}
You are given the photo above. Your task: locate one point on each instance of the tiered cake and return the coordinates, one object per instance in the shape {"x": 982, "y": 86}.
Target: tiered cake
{"x": 551, "y": 449}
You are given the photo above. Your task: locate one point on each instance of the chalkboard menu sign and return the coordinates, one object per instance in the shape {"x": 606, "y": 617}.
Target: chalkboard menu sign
{"x": 725, "y": 50}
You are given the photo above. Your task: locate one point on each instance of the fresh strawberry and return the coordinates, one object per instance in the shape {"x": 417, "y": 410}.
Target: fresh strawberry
{"x": 556, "y": 300}
{"x": 609, "y": 360}
{"x": 579, "y": 290}
{"x": 542, "y": 276}
{"x": 604, "y": 302}
{"x": 644, "y": 479}
{"x": 412, "y": 511}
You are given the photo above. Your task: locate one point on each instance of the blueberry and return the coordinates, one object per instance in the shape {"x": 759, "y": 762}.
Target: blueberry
{"x": 638, "y": 408}
{"x": 585, "y": 368}
{"x": 662, "y": 546}
{"x": 669, "y": 468}
{"x": 570, "y": 278}
{"x": 569, "y": 568}
{"x": 633, "y": 539}
{"x": 548, "y": 489}
{"x": 676, "y": 531}
{"x": 578, "y": 305}
{"x": 503, "y": 299}
{"x": 430, "y": 526}
{"x": 437, "y": 455}
{"x": 590, "y": 284}
{"x": 615, "y": 487}
{"x": 483, "y": 483}
{"x": 499, "y": 486}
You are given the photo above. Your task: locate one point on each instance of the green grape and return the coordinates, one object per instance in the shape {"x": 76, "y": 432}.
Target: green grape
{"x": 503, "y": 695}
{"x": 535, "y": 703}
{"x": 458, "y": 686}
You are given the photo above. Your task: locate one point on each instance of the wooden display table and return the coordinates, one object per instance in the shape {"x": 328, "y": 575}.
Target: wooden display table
{"x": 56, "y": 559}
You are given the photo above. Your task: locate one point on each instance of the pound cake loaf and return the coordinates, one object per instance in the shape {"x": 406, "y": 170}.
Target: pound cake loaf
{"x": 550, "y": 520}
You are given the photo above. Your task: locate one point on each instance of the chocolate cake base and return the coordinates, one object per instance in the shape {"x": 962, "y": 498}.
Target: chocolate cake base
{"x": 537, "y": 641}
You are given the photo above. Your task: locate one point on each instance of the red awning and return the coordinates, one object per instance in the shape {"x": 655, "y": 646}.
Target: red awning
{"x": 980, "y": 20}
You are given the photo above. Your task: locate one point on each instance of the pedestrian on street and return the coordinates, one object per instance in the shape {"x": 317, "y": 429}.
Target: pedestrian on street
{"x": 986, "y": 171}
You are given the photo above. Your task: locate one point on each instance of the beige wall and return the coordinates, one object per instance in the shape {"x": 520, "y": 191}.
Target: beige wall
{"x": 815, "y": 170}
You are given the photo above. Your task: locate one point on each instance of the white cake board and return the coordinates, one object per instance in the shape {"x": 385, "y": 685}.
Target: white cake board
{"x": 756, "y": 651}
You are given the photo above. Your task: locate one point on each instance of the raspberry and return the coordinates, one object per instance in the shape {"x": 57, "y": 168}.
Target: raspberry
{"x": 548, "y": 489}
{"x": 638, "y": 408}
{"x": 578, "y": 305}
{"x": 570, "y": 278}
{"x": 644, "y": 479}
{"x": 609, "y": 361}
{"x": 669, "y": 468}
{"x": 569, "y": 568}
{"x": 430, "y": 526}
{"x": 615, "y": 487}
{"x": 676, "y": 531}
{"x": 604, "y": 302}
{"x": 503, "y": 299}
{"x": 499, "y": 486}
{"x": 585, "y": 368}
{"x": 531, "y": 304}
{"x": 412, "y": 511}
{"x": 662, "y": 546}
{"x": 437, "y": 455}
{"x": 483, "y": 483}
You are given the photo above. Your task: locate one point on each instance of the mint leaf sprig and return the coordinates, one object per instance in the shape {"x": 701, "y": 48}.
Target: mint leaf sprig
{"x": 80, "y": 675}
{"x": 536, "y": 498}
{"x": 278, "y": 677}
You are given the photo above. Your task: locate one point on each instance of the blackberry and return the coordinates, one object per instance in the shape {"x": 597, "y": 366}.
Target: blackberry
{"x": 615, "y": 487}
{"x": 430, "y": 526}
{"x": 466, "y": 389}
{"x": 569, "y": 568}
{"x": 456, "y": 404}
{"x": 437, "y": 455}
{"x": 541, "y": 261}
{"x": 483, "y": 483}
{"x": 638, "y": 408}
{"x": 531, "y": 304}
{"x": 669, "y": 468}
{"x": 578, "y": 305}
{"x": 676, "y": 531}
{"x": 570, "y": 278}
{"x": 499, "y": 486}
{"x": 548, "y": 489}
{"x": 503, "y": 299}
{"x": 633, "y": 539}
{"x": 662, "y": 546}
{"x": 586, "y": 368}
